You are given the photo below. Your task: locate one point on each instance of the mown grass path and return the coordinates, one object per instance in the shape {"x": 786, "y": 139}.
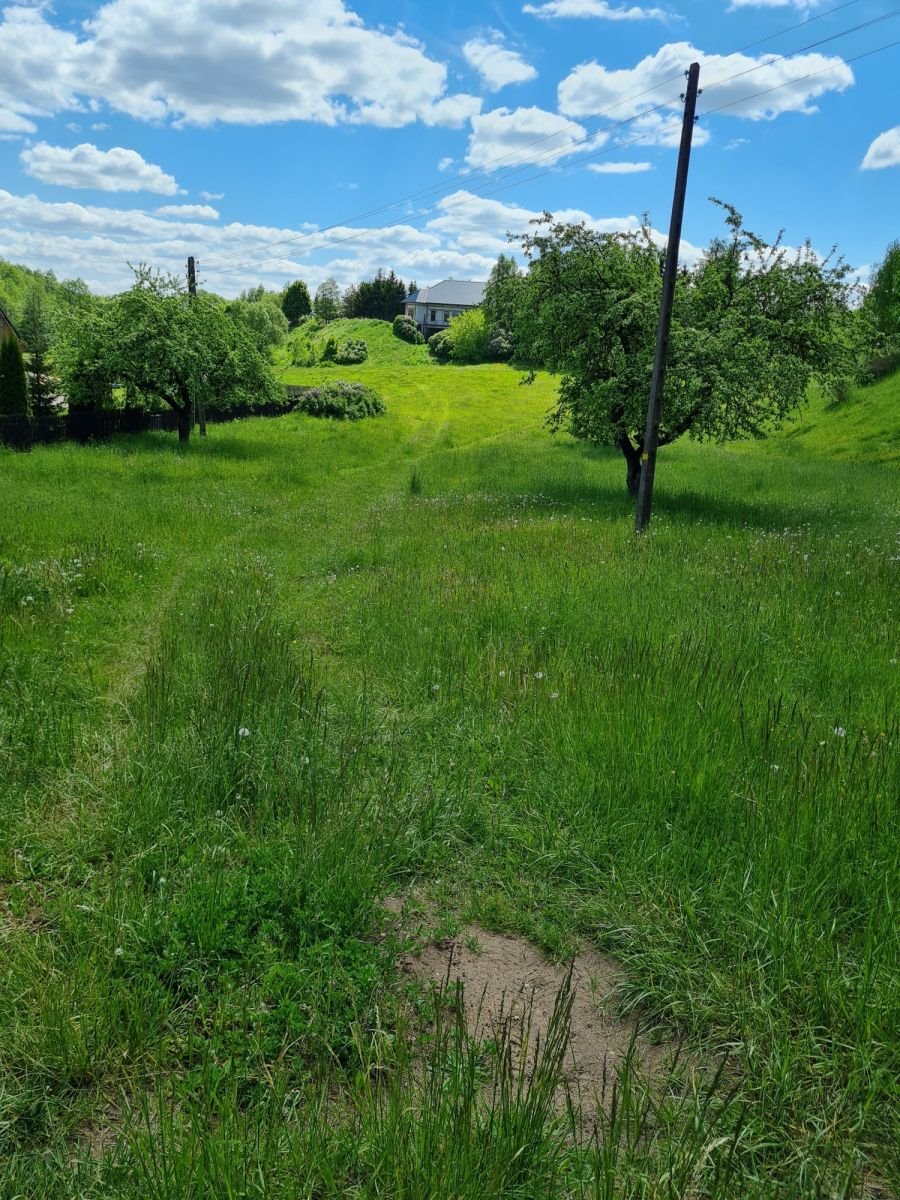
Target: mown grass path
{"x": 683, "y": 749}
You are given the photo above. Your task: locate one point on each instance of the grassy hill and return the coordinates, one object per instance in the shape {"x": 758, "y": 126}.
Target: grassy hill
{"x": 252, "y": 689}
{"x": 384, "y": 348}
{"x": 864, "y": 427}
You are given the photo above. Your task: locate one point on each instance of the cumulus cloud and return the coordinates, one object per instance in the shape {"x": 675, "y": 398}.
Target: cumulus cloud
{"x": 460, "y": 236}
{"x": 496, "y": 65}
{"x": 86, "y": 166}
{"x": 525, "y": 135}
{"x": 259, "y": 61}
{"x": 620, "y": 168}
{"x": 189, "y": 212}
{"x": 593, "y": 8}
{"x": 884, "y": 151}
{"x": 212, "y": 195}
{"x": 591, "y": 88}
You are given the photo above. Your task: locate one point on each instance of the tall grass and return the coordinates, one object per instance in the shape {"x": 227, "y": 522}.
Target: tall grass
{"x": 249, "y": 691}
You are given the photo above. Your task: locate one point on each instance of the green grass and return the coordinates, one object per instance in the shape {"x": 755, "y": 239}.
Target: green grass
{"x": 460, "y": 675}
{"x": 384, "y": 349}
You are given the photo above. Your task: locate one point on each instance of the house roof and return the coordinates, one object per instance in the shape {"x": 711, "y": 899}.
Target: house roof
{"x": 5, "y": 317}
{"x": 469, "y": 292}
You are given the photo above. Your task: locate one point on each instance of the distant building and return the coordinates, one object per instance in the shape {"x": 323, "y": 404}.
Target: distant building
{"x": 6, "y": 326}
{"x": 433, "y": 308}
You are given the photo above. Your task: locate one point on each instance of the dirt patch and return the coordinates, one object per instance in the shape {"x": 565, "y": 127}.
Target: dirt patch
{"x": 508, "y": 977}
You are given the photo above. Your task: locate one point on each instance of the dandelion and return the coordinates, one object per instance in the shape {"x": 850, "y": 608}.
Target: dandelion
{"x": 554, "y": 695}
{"x": 539, "y": 674}
{"x": 435, "y": 687}
{"x": 243, "y": 731}
{"x": 774, "y": 767}
{"x": 305, "y": 760}
{"x": 69, "y": 611}
{"x": 118, "y": 952}
{"x": 839, "y": 731}
{"x": 502, "y": 674}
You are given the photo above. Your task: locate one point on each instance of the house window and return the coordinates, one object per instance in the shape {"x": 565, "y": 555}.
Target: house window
{"x": 432, "y": 315}
{"x": 447, "y": 317}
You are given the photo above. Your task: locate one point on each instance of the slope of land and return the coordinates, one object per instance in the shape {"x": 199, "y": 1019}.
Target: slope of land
{"x": 250, "y": 690}
{"x": 384, "y": 349}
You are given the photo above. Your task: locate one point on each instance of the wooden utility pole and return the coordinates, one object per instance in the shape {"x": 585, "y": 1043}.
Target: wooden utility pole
{"x": 651, "y": 434}
{"x": 192, "y": 292}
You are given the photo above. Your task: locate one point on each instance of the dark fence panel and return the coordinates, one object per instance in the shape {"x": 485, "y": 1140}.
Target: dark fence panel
{"x": 21, "y": 433}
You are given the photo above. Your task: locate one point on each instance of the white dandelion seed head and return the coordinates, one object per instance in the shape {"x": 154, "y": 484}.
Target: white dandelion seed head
{"x": 839, "y": 731}
{"x": 243, "y": 731}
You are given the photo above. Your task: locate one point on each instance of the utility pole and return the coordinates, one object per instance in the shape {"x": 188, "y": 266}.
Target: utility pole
{"x": 192, "y": 292}
{"x": 651, "y": 434}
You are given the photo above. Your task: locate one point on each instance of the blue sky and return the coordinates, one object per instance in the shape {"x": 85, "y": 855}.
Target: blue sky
{"x": 240, "y": 131}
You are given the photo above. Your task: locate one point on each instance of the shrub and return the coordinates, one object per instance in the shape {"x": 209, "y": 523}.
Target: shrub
{"x": 405, "y": 329}
{"x": 469, "y": 337}
{"x": 500, "y": 347}
{"x": 343, "y": 400}
{"x": 353, "y": 350}
{"x": 329, "y": 350}
{"x": 440, "y": 345}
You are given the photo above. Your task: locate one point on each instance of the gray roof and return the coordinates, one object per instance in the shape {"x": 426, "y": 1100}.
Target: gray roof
{"x": 469, "y": 292}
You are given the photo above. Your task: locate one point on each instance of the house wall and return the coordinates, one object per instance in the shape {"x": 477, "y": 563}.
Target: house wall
{"x": 443, "y": 315}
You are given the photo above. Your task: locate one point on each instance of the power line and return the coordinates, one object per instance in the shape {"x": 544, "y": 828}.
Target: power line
{"x": 473, "y": 177}
{"x": 504, "y": 185}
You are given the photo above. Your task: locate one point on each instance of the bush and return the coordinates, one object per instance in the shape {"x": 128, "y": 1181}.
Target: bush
{"x": 353, "y": 350}
{"x": 329, "y": 350}
{"x": 500, "y": 347}
{"x": 440, "y": 345}
{"x": 342, "y": 400}
{"x": 469, "y": 337}
{"x": 405, "y": 329}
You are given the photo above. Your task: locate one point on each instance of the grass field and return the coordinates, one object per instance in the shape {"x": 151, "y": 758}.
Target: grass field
{"x": 251, "y": 689}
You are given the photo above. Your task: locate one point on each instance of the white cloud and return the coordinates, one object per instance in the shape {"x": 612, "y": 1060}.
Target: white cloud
{"x": 86, "y": 166}
{"x": 591, "y": 88}
{"x": 593, "y": 8}
{"x": 800, "y": 5}
{"x": 620, "y": 168}
{"x": 497, "y": 65}
{"x": 884, "y": 151}
{"x": 736, "y": 143}
{"x": 11, "y": 122}
{"x": 212, "y": 195}
{"x": 252, "y": 62}
{"x": 463, "y": 235}
{"x": 524, "y": 135}
{"x": 660, "y": 129}
{"x": 445, "y": 163}
{"x": 189, "y": 212}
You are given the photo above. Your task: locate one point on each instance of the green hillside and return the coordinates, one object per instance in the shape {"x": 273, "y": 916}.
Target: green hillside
{"x": 384, "y": 348}
{"x": 864, "y": 427}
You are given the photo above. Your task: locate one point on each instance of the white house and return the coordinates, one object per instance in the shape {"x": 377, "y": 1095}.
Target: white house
{"x": 433, "y": 308}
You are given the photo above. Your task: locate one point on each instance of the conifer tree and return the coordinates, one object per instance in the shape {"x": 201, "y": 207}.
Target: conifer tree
{"x": 13, "y": 387}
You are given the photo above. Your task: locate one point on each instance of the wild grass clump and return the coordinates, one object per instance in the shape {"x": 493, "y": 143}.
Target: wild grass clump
{"x": 343, "y": 401}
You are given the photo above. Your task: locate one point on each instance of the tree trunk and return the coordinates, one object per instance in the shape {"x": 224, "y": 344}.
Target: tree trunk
{"x": 632, "y": 464}
{"x": 184, "y": 425}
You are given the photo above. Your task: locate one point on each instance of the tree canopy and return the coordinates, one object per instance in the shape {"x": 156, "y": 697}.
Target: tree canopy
{"x": 261, "y": 315}
{"x": 327, "y": 304}
{"x": 13, "y": 388}
{"x": 37, "y": 332}
{"x": 753, "y": 324}
{"x": 883, "y": 296}
{"x": 158, "y": 343}
{"x": 295, "y": 302}
{"x": 380, "y": 298}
